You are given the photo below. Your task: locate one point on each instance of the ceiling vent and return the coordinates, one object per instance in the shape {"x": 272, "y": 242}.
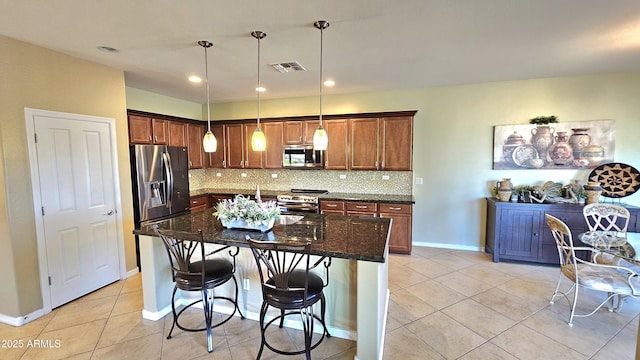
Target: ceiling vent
{"x": 290, "y": 66}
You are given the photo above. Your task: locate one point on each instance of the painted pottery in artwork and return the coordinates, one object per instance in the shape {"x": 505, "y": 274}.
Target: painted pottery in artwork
{"x": 542, "y": 137}
{"x": 579, "y": 140}
{"x": 513, "y": 141}
{"x": 593, "y": 190}
{"x": 535, "y": 163}
{"x": 593, "y": 153}
{"x": 561, "y": 152}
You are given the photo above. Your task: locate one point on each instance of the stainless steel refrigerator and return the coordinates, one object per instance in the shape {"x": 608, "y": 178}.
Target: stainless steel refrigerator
{"x": 160, "y": 181}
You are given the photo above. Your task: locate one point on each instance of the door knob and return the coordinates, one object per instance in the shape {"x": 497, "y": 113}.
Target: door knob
{"x": 110, "y": 212}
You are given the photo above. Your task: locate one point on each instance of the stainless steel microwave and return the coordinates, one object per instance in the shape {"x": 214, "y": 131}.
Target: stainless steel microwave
{"x": 302, "y": 157}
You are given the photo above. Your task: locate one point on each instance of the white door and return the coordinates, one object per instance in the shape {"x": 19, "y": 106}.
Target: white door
{"x": 77, "y": 190}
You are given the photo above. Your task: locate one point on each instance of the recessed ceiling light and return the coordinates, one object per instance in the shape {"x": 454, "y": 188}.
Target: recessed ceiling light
{"x": 329, "y": 83}
{"x": 107, "y": 49}
{"x": 195, "y": 79}
{"x": 261, "y": 89}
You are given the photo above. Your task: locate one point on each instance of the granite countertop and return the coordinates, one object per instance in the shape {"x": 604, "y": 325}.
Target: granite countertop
{"x": 399, "y": 199}
{"x": 348, "y": 237}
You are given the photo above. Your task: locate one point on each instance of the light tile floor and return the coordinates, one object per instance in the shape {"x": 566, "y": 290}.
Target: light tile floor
{"x": 445, "y": 304}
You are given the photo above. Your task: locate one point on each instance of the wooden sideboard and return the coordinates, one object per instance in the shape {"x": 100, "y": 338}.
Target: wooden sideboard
{"x": 518, "y": 231}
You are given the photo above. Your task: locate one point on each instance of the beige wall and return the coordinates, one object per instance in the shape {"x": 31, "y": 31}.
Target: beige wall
{"x": 150, "y": 102}
{"x": 454, "y": 138}
{"x": 43, "y": 79}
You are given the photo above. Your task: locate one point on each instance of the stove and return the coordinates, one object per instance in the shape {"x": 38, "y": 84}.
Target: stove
{"x": 301, "y": 200}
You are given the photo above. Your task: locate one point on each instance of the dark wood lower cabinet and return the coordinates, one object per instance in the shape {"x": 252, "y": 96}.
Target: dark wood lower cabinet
{"x": 400, "y": 214}
{"x": 518, "y": 231}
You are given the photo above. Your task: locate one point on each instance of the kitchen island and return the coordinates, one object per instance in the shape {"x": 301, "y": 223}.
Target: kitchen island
{"x": 357, "y": 295}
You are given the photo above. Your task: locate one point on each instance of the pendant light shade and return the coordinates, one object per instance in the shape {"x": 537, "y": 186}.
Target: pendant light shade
{"x": 258, "y": 140}
{"x": 209, "y": 142}
{"x": 320, "y": 137}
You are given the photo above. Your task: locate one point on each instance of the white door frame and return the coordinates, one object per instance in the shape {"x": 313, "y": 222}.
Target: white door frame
{"x": 29, "y": 115}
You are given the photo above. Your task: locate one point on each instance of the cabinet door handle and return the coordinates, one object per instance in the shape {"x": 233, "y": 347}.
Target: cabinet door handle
{"x": 361, "y": 207}
{"x": 155, "y": 138}
{"x": 383, "y": 164}
{"x": 224, "y": 163}
{"x": 332, "y": 205}
{"x": 150, "y": 138}
{"x": 395, "y": 208}
{"x": 190, "y": 164}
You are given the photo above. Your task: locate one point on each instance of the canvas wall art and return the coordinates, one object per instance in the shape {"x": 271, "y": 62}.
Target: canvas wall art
{"x": 562, "y": 145}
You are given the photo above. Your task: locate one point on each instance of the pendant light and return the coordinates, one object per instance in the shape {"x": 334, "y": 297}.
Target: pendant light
{"x": 209, "y": 142}
{"x": 320, "y": 138}
{"x": 258, "y": 140}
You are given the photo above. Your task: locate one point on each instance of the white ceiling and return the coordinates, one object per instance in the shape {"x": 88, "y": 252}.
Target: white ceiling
{"x": 371, "y": 45}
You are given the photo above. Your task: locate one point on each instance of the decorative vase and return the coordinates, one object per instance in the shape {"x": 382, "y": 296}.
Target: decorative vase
{"x": 593, "y": 190}
{"x": 579, "y": 140}
{"x": 504, "y": 195}
{"x": 542, "y": 138}
{"x": 561, "y": 153}
{"x": 242, "y": 224}
{"x": 505, "y": 184}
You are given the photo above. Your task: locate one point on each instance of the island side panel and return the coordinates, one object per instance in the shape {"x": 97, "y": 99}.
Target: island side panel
{"x": 373, "y": 303}
{"x": 157, "y": 283}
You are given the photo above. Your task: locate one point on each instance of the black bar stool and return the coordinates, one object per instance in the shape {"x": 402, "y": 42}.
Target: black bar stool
{"x": 202, "y": 274}
{"x": 289, "y": 285}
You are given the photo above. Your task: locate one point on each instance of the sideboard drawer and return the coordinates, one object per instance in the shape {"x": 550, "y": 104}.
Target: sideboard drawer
{"x": 362, "y": 206}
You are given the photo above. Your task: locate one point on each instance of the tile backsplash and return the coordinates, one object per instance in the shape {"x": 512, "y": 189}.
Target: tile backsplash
{"x": 363, "y": 182}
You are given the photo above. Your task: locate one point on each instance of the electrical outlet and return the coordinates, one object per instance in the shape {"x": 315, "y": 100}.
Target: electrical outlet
{"x": 385, "y": 177}
{"x": 274, "y": 176}
{"x": 243, "y": 174}
{"x": 246, "y": 284}
{"x": 218, "y": 174}
{"x": 343, "y": 177}
{"x": 418, "y": 181}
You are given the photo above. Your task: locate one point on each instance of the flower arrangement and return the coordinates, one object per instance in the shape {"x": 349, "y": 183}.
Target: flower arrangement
{"x": 252, "y": 212}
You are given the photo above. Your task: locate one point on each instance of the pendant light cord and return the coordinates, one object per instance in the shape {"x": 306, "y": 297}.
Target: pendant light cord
{"x": 321, "y": 78}
{"x": 259, "y": 89}
{"x": 206, "y": 80}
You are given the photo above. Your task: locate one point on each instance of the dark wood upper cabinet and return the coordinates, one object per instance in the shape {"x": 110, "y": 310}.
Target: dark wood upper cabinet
{"x": 218, "y": 158}
{"x": 195, "y": 133}
{"x": 146, "y": 130}
{"x": 363, "y": 141}
{"x": 160, "y": 131}
{"x": 396, "y": 143}
{"x": 252, "y": 159}
{"x": 140, "y": 130}
{"x": 273, "y": 131}
{"x": 177, "y": 133}
{"x": 371, "y": 141}
{"x": 336, "y": 155}
{"x": 235, "y": 146}
{"x": 292, "y": 131}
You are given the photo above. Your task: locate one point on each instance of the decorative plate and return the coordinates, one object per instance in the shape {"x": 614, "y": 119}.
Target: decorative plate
{"x": 617, "y": 179}
{"x": 523, "y": 153}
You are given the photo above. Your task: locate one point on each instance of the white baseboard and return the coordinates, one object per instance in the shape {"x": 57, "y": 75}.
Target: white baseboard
{"x": 448, "y": 246}
{"x": 131, "y": 273}
{"x": 21, "y": 320}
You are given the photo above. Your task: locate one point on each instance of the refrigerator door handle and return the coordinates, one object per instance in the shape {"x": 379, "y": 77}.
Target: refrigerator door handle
{"x": 166, "y": 158}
